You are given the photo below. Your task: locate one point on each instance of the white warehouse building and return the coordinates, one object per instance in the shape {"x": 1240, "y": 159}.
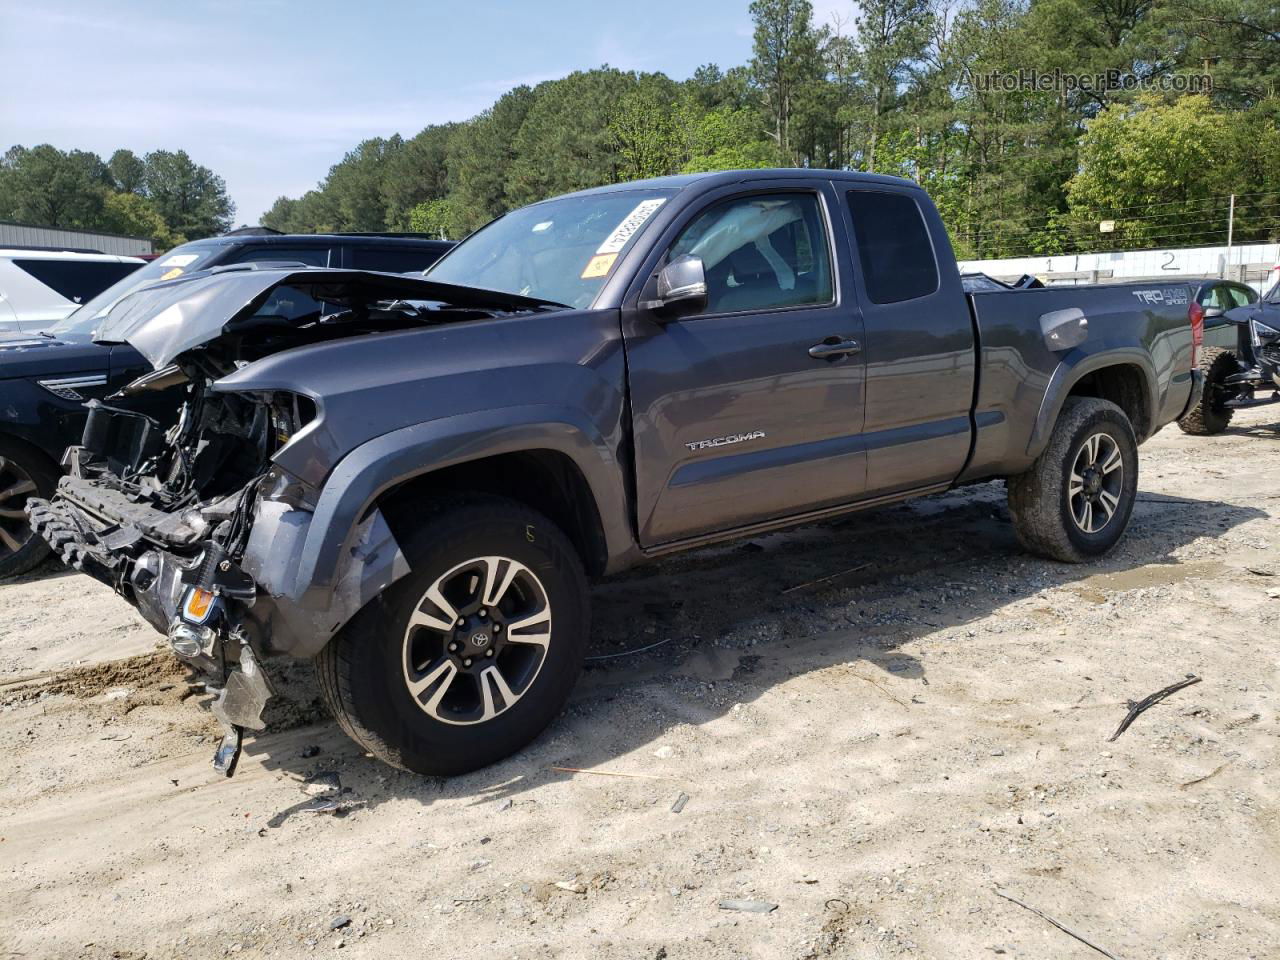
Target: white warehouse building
{"x": 58, "y": 238}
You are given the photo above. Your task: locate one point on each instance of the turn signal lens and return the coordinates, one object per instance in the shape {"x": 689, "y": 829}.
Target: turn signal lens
{"x": 197, "y": 606}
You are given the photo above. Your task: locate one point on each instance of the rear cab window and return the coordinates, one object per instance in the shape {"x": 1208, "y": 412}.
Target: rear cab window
{"x": 895, "y": 251}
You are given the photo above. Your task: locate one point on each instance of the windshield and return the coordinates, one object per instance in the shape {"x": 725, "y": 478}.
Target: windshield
{"x": 179, "y": 260}
{"x": 559, "y": 250}
{"x": 1273, "y": 295}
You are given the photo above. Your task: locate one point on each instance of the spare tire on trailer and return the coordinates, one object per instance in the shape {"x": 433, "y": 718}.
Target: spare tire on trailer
{"x": 1211, "y": 415}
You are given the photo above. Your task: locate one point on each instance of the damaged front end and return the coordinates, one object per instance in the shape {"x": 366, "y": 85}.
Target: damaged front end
{"x": 195, "y": 524}
{"x": 169, "y": 529}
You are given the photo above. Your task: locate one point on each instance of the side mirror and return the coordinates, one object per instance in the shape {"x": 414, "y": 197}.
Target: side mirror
{"x": 683, "y": 280}
{"x": 1212, "y": 313}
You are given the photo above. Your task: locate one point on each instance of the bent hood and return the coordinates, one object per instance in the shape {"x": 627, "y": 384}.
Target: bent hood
{"x": 165, "y": 320}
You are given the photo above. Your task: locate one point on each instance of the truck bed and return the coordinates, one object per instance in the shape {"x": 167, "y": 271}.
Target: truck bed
{"x": 1022, "y": 382}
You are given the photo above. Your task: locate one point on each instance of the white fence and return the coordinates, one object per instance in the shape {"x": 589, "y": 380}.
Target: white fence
{"x": 1254, "y": 264}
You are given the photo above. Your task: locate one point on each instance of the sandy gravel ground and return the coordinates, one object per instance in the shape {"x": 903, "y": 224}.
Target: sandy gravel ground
{"x": 874, "y": 754}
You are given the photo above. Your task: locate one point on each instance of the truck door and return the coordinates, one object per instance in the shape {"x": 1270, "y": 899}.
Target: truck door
{"x": 919, "y": 350}
{"x": 750, "y": 408}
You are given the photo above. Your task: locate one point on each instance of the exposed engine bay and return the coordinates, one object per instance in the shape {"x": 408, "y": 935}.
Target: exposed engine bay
{"x": 173, "y": 498}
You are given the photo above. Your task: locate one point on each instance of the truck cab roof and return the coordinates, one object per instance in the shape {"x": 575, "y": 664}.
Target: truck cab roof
{"x": 720, "y": 178}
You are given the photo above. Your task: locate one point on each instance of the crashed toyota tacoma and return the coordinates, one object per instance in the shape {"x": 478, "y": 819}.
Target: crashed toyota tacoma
{"x": 413, "y": 483}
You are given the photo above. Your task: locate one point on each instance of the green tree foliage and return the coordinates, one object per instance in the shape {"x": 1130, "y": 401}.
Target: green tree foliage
{"x": 437, "y": 218}
{"x": 134, "y": 215}
{"x": 731, "y": 138}
{"x": 480, "y": 156}
{"x": 786, "y": 62}
{"x": 651, "y": 129}
{"x": 49, "y": 187}
{"x": 191, "y": 198}
{"x": 1162, "y": 172}
{"x": 165, "y": 196}
{"x": 890, "y": 48}
{"x": 128, "y": 172}
{"x": 358, "y": 185}
{"x": 1238, "y": 38}
{"x": 891, "y": 86}
{"x": 416, "y": 173}
{"x": 566, "y": 142}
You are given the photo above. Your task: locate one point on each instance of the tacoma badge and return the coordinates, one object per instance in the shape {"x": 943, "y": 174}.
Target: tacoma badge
{"x": 725, "y": 441}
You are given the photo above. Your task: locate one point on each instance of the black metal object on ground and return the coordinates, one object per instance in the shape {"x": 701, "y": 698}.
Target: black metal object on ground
{"x": 1139, "y": 706}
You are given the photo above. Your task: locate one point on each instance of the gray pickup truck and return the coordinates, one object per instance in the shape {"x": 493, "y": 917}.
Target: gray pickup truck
{"x": 414, "y": 483}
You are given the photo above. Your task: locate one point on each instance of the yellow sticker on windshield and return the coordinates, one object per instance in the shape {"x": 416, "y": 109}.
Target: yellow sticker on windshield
{"x": 599, "y": 265}
{"x": 170, "y": 274}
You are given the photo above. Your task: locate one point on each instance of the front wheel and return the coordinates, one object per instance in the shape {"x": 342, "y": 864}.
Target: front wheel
{"x": 1075, "y": 501}
{"x": 470, "y": 655}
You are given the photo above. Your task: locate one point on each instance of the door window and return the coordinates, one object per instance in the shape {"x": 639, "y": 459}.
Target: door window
{"x": 894, "y": 246}
{"x": 761, "y": 252}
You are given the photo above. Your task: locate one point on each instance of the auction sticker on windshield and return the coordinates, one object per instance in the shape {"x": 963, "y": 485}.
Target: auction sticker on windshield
{"x": 599, "y": 265}
{"x": 608, "y": 251}
{"x": 630, "y": 224}
{"x": 177, "y": 262}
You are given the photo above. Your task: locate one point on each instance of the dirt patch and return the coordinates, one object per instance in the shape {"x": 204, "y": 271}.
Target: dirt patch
{"x": 874, "y": 754}
{"x": 148, "y": 671}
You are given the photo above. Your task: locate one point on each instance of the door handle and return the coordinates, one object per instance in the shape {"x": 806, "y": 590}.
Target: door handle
{"x": 833, "y": 348}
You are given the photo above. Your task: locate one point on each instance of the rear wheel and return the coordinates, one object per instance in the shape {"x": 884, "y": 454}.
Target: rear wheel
{"x": 1075, "y": 501}
{"x": 24, "y": 473}
{"x": 1212, "y": 415}
{"x": 468, "y": 657}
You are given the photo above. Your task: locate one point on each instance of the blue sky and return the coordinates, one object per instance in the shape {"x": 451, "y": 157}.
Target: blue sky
{"x": 270, "y": 94}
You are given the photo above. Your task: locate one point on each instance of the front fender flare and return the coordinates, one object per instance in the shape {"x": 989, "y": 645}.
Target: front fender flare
{"x": 386, "y": 461}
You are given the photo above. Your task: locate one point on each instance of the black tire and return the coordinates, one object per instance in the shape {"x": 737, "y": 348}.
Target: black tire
{"x": 24, "y": 473}
{"x": 1045, "y": 515}
{"x": 1209, "y": 416}
{"x": 364, "y": 672}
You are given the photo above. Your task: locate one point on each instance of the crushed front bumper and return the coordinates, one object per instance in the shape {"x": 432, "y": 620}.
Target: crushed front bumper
{"x": 195, "y": 600}
{"x": 222, "y": 614}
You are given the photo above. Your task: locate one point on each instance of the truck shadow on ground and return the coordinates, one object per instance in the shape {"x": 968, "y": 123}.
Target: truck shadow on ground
{"x": 724, "y": 625}
{"x": 1271, "y": 430}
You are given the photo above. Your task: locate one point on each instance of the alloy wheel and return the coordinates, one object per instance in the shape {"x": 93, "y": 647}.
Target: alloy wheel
{"x": 476, "y": 640}
{"x": 1097, "y": 482}
{"x": 16, "y": 486}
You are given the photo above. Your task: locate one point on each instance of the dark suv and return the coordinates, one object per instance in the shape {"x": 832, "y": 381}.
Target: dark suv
{"x": 46, "y": 377}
